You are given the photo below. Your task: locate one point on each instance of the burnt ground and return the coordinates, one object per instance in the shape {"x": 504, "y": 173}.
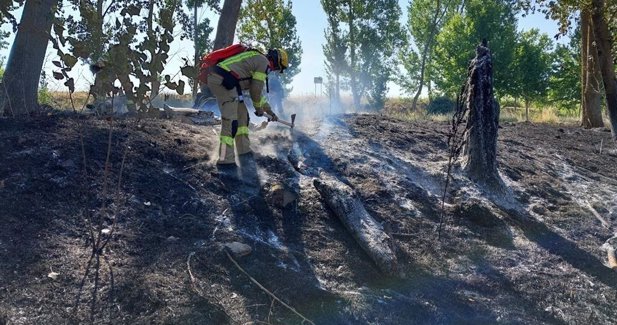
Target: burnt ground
{"x": 162, "y": 210}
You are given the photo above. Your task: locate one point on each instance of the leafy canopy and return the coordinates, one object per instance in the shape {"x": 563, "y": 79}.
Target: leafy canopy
{"x": 267, "y": 24}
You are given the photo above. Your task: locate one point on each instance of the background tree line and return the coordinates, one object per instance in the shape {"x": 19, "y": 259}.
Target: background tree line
{"x": 435, "y": 45}
{"x": 366, "y": 47}
{"x": 127, "y": 43}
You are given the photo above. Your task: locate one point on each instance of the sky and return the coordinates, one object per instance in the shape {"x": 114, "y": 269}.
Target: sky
{"x": 311, "y": 23}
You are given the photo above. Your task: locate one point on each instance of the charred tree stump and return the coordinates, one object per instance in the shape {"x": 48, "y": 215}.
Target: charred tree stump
{"x": 346, "y": 205}
{"x": 480, "y": 151}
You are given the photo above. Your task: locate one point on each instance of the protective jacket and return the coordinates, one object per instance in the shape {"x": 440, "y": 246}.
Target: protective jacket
{"x": 245, "y": 71}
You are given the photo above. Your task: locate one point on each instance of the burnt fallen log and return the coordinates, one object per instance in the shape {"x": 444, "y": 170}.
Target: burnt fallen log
{"x": 346, "y": 205}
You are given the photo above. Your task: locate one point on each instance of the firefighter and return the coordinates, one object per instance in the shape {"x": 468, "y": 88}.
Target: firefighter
{"x": 226, "y": 80}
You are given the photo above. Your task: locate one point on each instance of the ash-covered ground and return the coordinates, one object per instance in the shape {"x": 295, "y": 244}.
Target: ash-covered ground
{"x": 530, "y": 255}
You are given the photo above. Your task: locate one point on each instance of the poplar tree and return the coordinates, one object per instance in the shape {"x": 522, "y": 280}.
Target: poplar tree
{"x": 226, "y": 26}
{"x": 532, "y": 66}
{"x": 19, "y": 95}
{"x": 493, "y": 21}
{"x": 425, "y": 18}
{"x": 270, "y": 24}
{"x": 372, "y": 34}
{"x": 199, "y": 31}
{"x": 599, "y": 14}
{"x": 334, "y": 49}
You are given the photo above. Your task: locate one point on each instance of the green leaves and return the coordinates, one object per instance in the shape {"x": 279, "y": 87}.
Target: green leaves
{"x": 456, "y": 43}
{"x": 69, "y": 60}
{"x": 271, "y": 24}
{"x": 532, "y": 65}
{"x": 58, "y": 75}
{"x": 361, "y": 40}
{"x": 189, "y": 71}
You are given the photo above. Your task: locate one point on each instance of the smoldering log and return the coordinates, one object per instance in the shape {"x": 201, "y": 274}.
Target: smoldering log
{"x": 346, "y": 205}
{"x": 179, "y": 111}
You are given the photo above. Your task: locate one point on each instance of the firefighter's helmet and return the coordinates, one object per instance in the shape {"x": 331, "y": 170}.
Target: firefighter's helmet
{"x": 279, "y": 59}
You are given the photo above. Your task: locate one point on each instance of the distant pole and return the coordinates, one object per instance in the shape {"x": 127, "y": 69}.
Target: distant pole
{"x": 317, "y": 80}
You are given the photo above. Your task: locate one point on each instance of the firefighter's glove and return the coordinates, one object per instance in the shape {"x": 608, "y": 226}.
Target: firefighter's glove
{"x": 259, "y": 112}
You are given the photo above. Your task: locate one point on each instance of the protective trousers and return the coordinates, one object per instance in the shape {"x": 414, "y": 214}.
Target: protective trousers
{"x": 234, "y": 121}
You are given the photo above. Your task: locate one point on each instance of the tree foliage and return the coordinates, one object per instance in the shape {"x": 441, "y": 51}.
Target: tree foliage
{"x": 198, "y": 29}
{"x": 138, "y": 48}
{"x": 425, "y": 18}
{"x": 6, "y": 7}
{"x": 493, "y": 21}
{"x": 532, "y": 66}
{"x": 371, "y": 32}
{"x": 565, "y": 82}
{"x": 267, "y": 24}
{"x": 334, "y": 48}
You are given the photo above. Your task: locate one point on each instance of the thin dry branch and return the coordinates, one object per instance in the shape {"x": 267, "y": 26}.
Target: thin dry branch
{"x": 188, "y": 267}
{"x": 304, "y": 319}
{"x": 598, "y": 216}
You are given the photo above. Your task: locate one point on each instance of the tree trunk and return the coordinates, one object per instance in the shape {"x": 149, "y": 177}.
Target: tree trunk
{"x": 367, "y": 232}
{"x": 156, "y": 84}
{"x": 353, "y": 76}
{"x": 427, "y": 48}
{"x": 591, "y": 112}
{"x": 337, "y": 91}
{"x": 527, "y": 110}
{"x": 197, "y": 54}
{"x": 480, "y": 160}
{"x": 226, "y": 28}
{"x": 19, "y": 90}
{"x": 603, "y": 40}
{"x": 98, "y": 89}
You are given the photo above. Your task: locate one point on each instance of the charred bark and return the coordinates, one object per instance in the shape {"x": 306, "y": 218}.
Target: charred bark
{"x": 226, "y": 27}
{"x": 20, "y": 84}
{"x": 603, "y": 41}
{"x": 369, "y": 234}
{"x": 591, "y": 112}
{"x": 480, "y": 152}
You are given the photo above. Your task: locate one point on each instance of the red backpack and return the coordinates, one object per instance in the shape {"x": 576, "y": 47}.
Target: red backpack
{"x": 215, "y": 57}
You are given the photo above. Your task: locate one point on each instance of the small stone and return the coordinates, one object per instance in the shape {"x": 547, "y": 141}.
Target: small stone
{"x": 53, "y": 275}
{"x": 238, "y": 249}
{"x": 539, "y": 209}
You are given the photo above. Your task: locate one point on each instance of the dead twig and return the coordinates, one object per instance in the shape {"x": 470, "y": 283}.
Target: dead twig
{"x": 456, "y": 141}
{"x": 304, "y": 319}
{"x": 188, "y": 267}
{"x": 181, "y": 181}
{"x": 598, "y": 216}
{"x": 195, "y": 165}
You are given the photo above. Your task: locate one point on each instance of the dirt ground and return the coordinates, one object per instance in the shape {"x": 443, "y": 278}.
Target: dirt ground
{"x": 162, "y": 211}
